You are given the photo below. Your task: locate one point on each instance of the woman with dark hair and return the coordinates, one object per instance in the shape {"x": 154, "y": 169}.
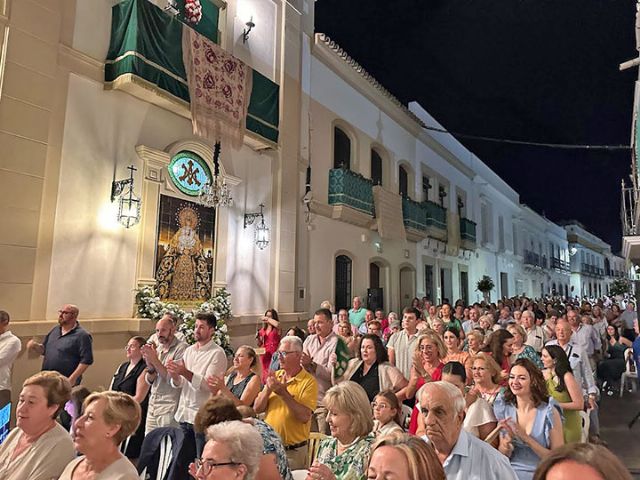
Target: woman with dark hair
{"x": 296, "y": 332}
{"x": 372, "y": 370}
{"x": 269, "y": 338}
{"x": 450, "y": 321}
{"x": 500, "y": 346}
{"x": 129, "y": 379}
{"x": 564, "y": 388}
{"x": 451, "y": 339}
{"x": 611, "y": 368}
{"x": 531, "y": 427}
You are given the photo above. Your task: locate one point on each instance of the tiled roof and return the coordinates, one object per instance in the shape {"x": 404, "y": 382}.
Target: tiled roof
{"x": 321, "y": 37}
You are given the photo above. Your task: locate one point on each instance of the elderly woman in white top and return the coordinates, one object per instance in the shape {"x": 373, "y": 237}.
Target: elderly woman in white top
{"x": 39, "y": 448}
{"x": 233, "y": 451}
{"x": 108, "y": 418}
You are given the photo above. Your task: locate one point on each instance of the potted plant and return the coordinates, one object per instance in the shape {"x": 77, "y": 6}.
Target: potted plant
{"x": 485, "y": 285}
{"x": 619, "y": 287}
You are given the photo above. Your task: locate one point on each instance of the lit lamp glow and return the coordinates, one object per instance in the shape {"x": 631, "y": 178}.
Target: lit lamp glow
{"x": 129, "y": 204}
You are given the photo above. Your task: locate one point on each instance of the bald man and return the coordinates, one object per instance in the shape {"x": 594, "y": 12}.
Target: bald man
{"x": 67, "y": 348}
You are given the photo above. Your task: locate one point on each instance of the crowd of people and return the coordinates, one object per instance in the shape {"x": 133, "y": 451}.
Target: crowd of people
{"x": 485, "y": 391}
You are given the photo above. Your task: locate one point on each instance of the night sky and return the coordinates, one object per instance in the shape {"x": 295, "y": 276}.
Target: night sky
{"x": 534, "y": 70}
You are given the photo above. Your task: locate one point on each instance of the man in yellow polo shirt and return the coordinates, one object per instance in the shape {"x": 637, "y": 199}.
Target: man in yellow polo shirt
{"x": 289, "y": 399}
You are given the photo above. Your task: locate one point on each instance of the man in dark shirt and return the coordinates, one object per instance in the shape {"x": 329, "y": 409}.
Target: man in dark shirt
{"x": 67, "y": 348}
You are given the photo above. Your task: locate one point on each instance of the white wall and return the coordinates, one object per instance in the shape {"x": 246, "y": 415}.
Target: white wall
{"x": 94, "y": 258}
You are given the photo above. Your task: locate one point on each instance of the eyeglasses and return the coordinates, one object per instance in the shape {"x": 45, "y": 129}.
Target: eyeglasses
{"x": 208, "y": 465}
{"x": 426, "y": 348}
{"x": 284, "y": 354}
{"x": 381, "y": 406}
{"x": 130, "y": 347}
{"x": 62, "y": 312}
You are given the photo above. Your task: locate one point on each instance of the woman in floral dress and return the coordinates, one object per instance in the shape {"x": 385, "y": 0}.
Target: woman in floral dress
{"x": 345, "y": 455}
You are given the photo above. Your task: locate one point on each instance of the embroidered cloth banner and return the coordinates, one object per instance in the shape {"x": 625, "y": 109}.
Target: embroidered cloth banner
{"x": 388, "y": 208}
{"x": 219, "y": 87}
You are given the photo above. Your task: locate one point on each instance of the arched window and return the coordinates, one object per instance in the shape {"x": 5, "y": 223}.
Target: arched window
{"x": 343, "y": 282}
{"x": 376, "y": 168}
{"x": 341, "y": 149}
{"x": 403, "y": 182}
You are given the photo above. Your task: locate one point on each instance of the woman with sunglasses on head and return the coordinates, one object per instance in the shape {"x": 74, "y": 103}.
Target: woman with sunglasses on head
{"x": 242, "y": 384}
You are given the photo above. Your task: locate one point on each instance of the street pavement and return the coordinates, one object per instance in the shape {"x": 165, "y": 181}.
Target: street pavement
{"x": 615, "y": 415}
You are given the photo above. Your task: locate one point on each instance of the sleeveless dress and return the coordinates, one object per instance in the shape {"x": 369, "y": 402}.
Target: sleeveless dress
{"x": 523, "y": 459}
{"x": 572, "y": 425}
{"x": 238, "y": 389}
{"x": 123, "y": 382}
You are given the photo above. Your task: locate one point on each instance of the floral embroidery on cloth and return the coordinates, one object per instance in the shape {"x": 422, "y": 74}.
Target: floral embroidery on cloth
{"x": 219, "y": 87}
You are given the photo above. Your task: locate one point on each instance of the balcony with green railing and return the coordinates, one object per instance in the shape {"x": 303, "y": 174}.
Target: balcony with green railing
{"x": 468, "y": 233}
{"x": 424, "y": 219}
{"x": 350, "y": 189}
{"x": 436, "y": 215}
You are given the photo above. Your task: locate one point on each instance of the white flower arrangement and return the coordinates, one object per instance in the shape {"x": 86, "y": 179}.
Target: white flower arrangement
{"x": 150, "y": 306}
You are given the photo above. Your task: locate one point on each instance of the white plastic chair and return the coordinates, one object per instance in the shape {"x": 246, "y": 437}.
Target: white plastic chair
{"x": 405, "y": 416}
{"x": 629, "y": 373}
{"x": 586, "y": 422}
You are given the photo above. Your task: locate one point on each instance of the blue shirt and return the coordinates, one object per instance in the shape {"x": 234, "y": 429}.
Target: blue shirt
{"x": 63, "y": 353}
{"x": 473, "y": 459}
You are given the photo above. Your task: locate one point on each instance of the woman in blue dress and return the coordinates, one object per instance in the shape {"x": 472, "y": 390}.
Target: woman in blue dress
{"x": 531, "y": 421}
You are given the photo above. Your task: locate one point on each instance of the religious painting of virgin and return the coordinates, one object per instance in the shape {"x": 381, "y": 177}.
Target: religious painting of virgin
{"x": 184, "y": 255}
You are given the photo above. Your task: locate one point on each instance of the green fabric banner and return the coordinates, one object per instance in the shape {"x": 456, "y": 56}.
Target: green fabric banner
{"x": 147, "y": 43}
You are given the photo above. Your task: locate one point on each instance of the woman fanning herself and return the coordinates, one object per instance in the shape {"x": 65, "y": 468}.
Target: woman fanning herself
{"x": 242, "y": 384}
{"x": 531, "y": 426}
{"x": 562, "y": 386}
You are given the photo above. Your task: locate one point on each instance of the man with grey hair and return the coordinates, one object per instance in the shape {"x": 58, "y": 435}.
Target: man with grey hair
{"x": 289, "y": 398}
{"x": 535, "y": 334}
{"x": 9, "y": 349}
{"x": 357, "y": 313}
{"x": 463, "y": 456}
